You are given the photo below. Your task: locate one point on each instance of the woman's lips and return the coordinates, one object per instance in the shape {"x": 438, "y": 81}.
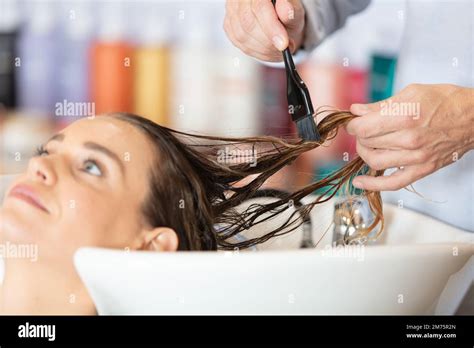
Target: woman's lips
{"x": 28, "y": 195}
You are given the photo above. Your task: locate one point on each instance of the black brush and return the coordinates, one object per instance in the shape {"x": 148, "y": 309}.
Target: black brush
{"x": 299, "y": 100}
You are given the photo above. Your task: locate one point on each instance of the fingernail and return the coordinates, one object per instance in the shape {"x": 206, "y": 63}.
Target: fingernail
{"x": 359, "y": 109}
{"x": 279, "y": 43}
{"x": 357, "y": 184}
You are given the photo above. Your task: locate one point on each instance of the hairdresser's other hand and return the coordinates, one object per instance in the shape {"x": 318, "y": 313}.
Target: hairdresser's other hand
{"x": 420, "y": 130}
{"x": 262, "y": 31}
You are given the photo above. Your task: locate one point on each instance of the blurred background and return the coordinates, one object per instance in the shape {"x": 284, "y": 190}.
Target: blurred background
{"x": 171, "y": 61}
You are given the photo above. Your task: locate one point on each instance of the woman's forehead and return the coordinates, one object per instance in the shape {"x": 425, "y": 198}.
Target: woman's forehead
{"x": 106, "y": 126}
{"x": 121, "y": 137}
{"x": 106, "y": 129}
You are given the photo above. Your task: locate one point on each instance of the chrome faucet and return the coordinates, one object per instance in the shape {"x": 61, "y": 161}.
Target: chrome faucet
{"x": 351, "y": 216}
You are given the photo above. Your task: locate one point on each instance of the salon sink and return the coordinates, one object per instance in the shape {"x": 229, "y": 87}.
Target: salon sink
{"x": 418, "y": 266}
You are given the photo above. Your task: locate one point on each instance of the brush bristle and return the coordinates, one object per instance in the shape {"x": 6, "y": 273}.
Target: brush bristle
{"x": 307, "y": 128}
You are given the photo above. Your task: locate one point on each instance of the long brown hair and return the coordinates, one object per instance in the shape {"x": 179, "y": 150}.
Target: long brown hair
{"x": 196, "y": 194}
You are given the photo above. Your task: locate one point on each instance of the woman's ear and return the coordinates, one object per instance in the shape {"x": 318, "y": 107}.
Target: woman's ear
{"x": 158, "y": 239}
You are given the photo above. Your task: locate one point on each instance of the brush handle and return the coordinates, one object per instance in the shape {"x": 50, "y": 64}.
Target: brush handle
{"x": 290, "y": 67}
{"x": 299, "y": 98}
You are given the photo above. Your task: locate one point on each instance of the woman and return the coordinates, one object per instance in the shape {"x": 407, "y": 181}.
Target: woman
{"x": 121, "y": 181}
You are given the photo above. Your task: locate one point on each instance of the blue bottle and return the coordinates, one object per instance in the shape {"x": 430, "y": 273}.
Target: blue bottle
{"x": 37, "y": 60}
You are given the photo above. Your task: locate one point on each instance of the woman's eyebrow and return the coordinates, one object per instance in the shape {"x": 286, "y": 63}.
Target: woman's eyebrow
{"x": 56, "y": 137}
{"x": 93, "y": 146}
{"x": 96, "y": 147}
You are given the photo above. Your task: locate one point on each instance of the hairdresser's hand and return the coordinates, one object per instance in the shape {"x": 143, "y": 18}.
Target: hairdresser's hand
{"x": 262, "y": 31}
{"x": 420, "y": 130}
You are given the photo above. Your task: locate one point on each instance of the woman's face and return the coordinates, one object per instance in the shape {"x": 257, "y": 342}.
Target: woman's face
{"x": 86, "y": 189}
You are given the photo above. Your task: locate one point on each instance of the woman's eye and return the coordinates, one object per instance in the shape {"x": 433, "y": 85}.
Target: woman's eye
{"x": 92, "y": 168}
{"x": 41, "y": 151}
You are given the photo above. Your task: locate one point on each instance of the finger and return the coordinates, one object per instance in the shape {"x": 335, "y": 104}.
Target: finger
{"x": 243, "y": 37}
{"x": 409, "y": 139}
{"x": 250, "y": 25}
{"x": 290, "y": 13}
{"x": 383, "y": 159}
{"x": 232, "y": 7}
{"x": 374, "y": 124}
{"x": 363, "y": 109}
{"x": 270, "y": 24}
{"x": 232, "y": 28}
{"x": 378, "y": 159}
{"x": 396, "y": 181}
{"x": 257, "y": 55}
{"x": 407, "y": 94}
{"x": 390, "y": 141}
{"x": 248, "y": 44}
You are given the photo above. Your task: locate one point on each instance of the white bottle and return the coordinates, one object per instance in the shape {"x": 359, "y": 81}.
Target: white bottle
{"x": 192, "y": 83}
{"x": 237, "y": 91}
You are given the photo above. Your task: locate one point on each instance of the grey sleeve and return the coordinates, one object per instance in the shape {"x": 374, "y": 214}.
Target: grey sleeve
{"x": 324, "y": 17}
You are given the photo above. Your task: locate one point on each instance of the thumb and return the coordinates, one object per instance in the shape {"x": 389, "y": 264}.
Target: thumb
{"x": 363, "y": 109}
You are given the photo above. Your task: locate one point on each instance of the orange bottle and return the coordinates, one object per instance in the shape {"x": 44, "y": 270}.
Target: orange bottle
{"x": 111, "y": 63}
{"x": 111, "y": 77}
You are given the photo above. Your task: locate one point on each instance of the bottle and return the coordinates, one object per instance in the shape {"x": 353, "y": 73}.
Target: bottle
{"x": 38, "y": 60}
{"x": 237, "y": 89}
{"x": 383, "y": 64}
{"x": 111, "y": 75}
{"x": 9, "y": 27}
{"x": 275, "y": 119}
{"x": 73, "y": 72}
{"x": 151, "y": 61}
{"x": 382, "y": 76}
{"x": 192, "y": 70}
{"x": 354, "y": 58}
{"x": 324, "y": 75}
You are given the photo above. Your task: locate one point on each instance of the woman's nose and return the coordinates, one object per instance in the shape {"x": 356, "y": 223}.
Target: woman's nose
{"x": 40, "y": 170}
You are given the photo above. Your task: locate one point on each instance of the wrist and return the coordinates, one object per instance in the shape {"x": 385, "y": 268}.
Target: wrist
{"x": 462, "y": 102}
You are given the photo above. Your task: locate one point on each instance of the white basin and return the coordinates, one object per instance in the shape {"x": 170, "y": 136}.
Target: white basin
{"x": 419, "y": 266}
{"x": 389, "y": 280}
{"x": 428, "y": 274}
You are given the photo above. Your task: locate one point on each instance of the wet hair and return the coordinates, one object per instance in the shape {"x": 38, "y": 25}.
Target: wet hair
{"x": 194, "y": 189}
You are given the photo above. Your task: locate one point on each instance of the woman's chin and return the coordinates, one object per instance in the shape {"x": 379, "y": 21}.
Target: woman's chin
{"x": 17, "y": 226}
